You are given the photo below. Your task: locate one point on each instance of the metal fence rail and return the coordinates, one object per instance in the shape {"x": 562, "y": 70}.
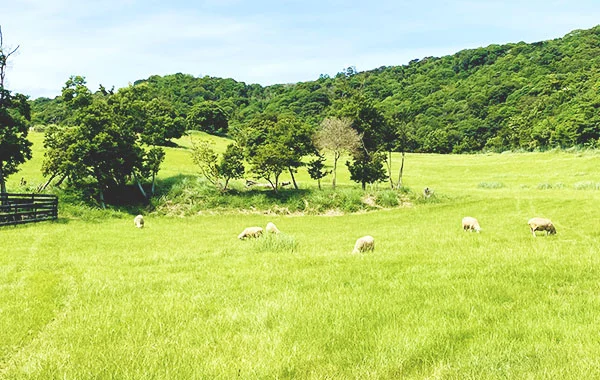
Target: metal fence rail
{"x": 27, "y": 208}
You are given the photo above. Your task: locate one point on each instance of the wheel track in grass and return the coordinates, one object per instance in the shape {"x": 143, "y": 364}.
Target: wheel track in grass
{"x": 29, "y": 357}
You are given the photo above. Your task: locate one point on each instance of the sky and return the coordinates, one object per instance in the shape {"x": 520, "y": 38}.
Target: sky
{"x": 116, "y": 42}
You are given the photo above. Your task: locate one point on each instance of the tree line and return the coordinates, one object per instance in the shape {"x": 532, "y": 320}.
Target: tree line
{"x": 512, "y": 96}
{"x": 500, "y": 97}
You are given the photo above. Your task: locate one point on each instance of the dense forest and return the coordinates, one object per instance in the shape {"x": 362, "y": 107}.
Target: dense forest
{"x": 514, "y": 96}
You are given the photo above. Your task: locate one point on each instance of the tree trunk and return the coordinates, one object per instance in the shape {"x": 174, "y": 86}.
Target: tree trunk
{"x": 399, "y": 184}
{"x": 102, "y": 204}
{"x": 389, "y": 168}
{"x": 60, "y": 181}
{"x": 139, "y": 184}
{"x": 45, "y": 185}
{"x": 2, "y": 180}
{"x": 153, "y": 182}
{"x": 336, "y": 155}
{"x": 319, "y": 183}
{"x": 293, "y": 179}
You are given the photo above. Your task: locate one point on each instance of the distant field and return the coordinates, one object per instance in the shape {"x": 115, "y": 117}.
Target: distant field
{"x": 93, "y": 297}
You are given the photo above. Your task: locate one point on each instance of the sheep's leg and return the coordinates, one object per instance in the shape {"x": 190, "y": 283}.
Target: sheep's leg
{"x": 533, "y": 232}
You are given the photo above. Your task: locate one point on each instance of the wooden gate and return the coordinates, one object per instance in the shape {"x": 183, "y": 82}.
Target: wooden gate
{"x": 27, "y": 208}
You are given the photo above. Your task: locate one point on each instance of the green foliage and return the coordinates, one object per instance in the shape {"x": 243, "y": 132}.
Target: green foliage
{"x": 231, "y": 165}
{"x": 367, "y": 168}
{"x": 515, "y": 96}
{"x": 218, "y": 171}
{"x": 15, "y": 114}
{"x": 316, "y": 169}
{"x": 15, "y": 148}
{"x": 275, "y": 143}
{"x": 101, "y": 143}
{"x": 186, "y": 196}
{"x": 209, "y": 117}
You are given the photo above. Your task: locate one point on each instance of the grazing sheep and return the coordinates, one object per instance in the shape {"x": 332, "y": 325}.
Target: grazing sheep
{"x": 365, "y": 243}
{"x": 272, "y": 228}
{"x": 138, "y": 221}
{"x": 471, "y": 224}
{"x": 541, "y": 224}
{"x": 251, "y": 232}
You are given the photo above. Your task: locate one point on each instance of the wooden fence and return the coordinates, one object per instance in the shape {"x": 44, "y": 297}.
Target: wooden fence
{"x": 27, "y": 208}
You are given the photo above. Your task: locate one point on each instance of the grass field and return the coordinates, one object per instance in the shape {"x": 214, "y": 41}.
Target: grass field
{"x": 94, "y": 297}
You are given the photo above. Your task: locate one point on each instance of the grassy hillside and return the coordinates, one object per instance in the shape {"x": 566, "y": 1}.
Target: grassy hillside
{"x": 184, "y": 298}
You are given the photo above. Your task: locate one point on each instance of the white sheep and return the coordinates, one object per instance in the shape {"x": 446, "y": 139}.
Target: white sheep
{"x": 471, "y": 224}
{"x": 541, "y": 224}
{"x": 138, "y": 221}
{"x": 272, "y": 228}
{"x": 251, "y": 232}
{"x": 365, "y": 243}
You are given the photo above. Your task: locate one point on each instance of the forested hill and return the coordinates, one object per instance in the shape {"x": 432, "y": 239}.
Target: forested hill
{"x": 513, "y": 96}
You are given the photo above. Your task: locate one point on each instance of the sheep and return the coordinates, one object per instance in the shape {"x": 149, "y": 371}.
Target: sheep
{"x": 251, "y": 232}
{"x": 365, "y": 243}
{"x": 272, "y": 228}
{"x": 541, "y": 224}
{"x": 138, "y": 221}
{"x": 471, "y": 224}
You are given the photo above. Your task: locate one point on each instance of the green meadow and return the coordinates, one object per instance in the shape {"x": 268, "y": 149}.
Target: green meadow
{"x": 90, "y": 296}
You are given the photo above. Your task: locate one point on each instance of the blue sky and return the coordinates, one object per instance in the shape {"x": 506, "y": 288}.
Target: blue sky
{"x": 115, "y": 42}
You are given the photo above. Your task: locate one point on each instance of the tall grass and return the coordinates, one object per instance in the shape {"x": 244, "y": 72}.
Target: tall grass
{"x": 91, "y": 296}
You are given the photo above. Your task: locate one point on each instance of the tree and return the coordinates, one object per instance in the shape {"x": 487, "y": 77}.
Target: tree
{"x": 92, "y": 147}
{"x": 151, "y": 161}
{"x": 367, "y": 168}
{"x": 15, "y": 113}
{"x": 316, "y": 169}
{"x": 208, "y": 117}
{"x": 218, "y": 171}
{"x": 161, "y": 123}
{"x": 205, "y": 157}
{"x": 337, "y": 136}
{"x": 231, "y": 165}
{"x": 275, "y": 143}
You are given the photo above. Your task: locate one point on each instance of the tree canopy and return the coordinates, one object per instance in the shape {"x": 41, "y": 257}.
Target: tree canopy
{"x": 512, "y": 96}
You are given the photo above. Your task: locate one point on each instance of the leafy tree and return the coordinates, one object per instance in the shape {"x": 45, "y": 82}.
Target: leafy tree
{"x": 273, "y": 144}
{"x": 337, "y": 136}
{"x": 92, "y": 146}
{"x": 205, "y": 157}
{"x": 316, "y": 169}
{"x": 15, "y": 149}
{"x": 218, "y": 171}
{"x": 149, "y": 168}
{"x": 208, "y": 117}
{"x": 162, "y": 124}
{"x": 366, "y": 168}
{"x": 231, "y": 165}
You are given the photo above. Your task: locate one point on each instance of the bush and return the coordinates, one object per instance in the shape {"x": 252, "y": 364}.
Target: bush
{"x": 188, "y": 195}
